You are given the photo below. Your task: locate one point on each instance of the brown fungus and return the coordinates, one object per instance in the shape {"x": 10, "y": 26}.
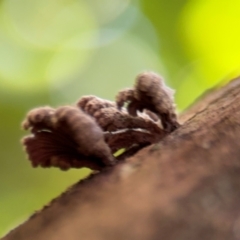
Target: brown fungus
{"x": 87, "y": 135}
{"x": 65, "y": 138}
{"x": 150, "y": 93}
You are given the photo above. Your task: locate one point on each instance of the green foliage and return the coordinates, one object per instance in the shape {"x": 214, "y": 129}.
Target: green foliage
{"x": 198, "y": 42}
{"x": 54, "y": 51}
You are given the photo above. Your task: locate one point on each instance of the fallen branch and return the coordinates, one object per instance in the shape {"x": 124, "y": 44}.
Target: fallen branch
{"x": 187, "y": 186}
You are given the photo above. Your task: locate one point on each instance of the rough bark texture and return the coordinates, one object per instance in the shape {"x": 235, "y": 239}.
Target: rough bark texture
{"x": 185, "y": 187}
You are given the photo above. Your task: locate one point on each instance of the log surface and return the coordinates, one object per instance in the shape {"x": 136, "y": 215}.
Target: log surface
{"x": 185, "y": 187}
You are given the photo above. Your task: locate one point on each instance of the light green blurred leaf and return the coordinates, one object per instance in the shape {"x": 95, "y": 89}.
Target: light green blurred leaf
{"x": 40, "y": 42}
{"x": 211, "y": 34}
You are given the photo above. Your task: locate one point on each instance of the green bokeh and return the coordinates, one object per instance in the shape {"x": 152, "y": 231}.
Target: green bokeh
{"x": 54, "y": 51}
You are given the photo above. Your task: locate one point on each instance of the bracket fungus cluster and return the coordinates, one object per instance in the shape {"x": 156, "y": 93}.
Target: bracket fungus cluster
{"x": 89, "y": 132}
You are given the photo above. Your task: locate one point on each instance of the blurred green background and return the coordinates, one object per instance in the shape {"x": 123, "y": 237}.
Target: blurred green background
{"x": 54, "y": 51}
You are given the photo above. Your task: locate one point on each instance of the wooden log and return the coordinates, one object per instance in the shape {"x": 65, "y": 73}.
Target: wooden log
{"x": 185, "y": 187}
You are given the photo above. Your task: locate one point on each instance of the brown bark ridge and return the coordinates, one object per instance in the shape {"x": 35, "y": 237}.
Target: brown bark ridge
{"x": 185, "y": 187}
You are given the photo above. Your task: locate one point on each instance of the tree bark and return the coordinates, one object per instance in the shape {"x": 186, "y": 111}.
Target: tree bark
{"x": 185, "y": 187}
